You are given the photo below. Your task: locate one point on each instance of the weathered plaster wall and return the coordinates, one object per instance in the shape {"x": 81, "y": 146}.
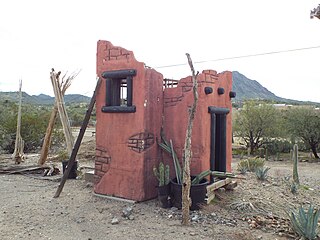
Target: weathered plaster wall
{"x": 120, "y": 169}
{"x": 178, "y": 100}
{"x": 126, "y": 148}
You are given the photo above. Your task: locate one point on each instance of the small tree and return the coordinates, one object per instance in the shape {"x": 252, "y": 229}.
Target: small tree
{"x": 187, "y": 153}
{"x": 256, "y": 124}
{"x": 304, "y": 123}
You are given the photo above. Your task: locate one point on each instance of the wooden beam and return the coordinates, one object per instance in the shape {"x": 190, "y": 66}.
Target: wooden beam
{"x": 210, "y": 197}
{"x": 78, "y": 141}
{"x": 218, "y": 184}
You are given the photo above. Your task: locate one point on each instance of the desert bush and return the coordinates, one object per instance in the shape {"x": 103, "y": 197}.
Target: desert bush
{"x": 255, "y": 124}
{"x": 34, "y": 121}
{"x": 304, "y": 123}
{"x": 250, "y": 164}
{"x": 278, "y": 146}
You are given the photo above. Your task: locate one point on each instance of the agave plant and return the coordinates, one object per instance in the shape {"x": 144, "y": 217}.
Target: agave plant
{"x": 168, "y": 147}
{"x": 262, "y": 173}
{"x": 305, "y": 224}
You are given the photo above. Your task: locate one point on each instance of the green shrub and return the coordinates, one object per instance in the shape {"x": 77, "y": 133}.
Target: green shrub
{"x": 250, "y": 164}
{"x": 34, "y": 121}
{"x": 279, "y": 146}
{"x": 305, "y": 224}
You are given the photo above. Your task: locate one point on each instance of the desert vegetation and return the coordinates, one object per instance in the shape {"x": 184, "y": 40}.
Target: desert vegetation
{"x": 262, "y": 129}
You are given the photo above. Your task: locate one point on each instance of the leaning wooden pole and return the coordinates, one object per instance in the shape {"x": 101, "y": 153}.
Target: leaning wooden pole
{"x": 62, "y": 110}
{"x": 187, "y": 153}
{"x": 47, "y": 138}
{"x": 78, "y": 141}
{"x": 18, "y": 155}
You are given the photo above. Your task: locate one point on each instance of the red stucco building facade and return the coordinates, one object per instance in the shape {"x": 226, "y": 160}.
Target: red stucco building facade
{"x": 134, "y": 103}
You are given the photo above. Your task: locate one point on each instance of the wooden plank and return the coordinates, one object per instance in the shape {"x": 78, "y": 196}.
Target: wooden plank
{"x": 210, "y": 197}
{"x": 219, "y": 184}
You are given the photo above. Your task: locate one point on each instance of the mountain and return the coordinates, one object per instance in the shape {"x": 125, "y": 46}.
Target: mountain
{"x": 244, "y": 87}
{"x": 42, "y": 99}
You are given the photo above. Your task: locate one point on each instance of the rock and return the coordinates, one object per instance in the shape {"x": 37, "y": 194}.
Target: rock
{"x": 192, "y": 233}
{"x": 127, "y": 212}
{"x": 195, "y": 218}
{"x": 114, "y": 221}
{"x": 174, "y": 209}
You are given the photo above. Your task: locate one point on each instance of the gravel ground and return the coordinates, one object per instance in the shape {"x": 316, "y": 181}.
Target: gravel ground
{"x": 253, "y": 210}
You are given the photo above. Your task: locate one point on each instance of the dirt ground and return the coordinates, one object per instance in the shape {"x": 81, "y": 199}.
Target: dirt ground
{"x": 253, "y": 210}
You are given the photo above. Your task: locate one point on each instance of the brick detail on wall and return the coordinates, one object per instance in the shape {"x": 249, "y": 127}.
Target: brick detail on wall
{"x": 141, "y": 141}
{"x": 102, "y": 163}
{"x": 210, "y": 76}
{"x": 117, "y": 53}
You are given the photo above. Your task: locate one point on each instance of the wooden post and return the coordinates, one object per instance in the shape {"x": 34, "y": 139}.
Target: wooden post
{"x": 78, "y": 141}
{"x": 47, "y": 139}
{"x": 187, "y": 153}
{"x": 18, "y": 155}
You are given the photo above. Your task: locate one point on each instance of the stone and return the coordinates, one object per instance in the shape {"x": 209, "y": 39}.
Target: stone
{"x": 195, "y": 218}
{"x": 127, "y": 212}
{"x": 114, "y": 221}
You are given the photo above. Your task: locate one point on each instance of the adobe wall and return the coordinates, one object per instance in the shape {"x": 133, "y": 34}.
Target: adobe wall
{"x": 178, "y": 100}
{"x": 126, "y": 148}
{"x": 126, "y": 142}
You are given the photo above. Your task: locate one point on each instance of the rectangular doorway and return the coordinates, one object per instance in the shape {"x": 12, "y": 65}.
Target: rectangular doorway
{"x": 218, "y": 139}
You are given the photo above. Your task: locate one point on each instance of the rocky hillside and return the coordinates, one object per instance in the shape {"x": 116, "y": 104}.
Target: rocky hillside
{"x": 246, "y": 88}
{"x": 251, "y": 89}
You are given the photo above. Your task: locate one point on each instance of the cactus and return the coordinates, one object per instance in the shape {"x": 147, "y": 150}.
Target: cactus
{"x": 162, "y": 174}
{"x": 295, "y": 164}
{"x": 267, "y": 155}
{"x": 167, "y": 175}
{"x": 305, "y": 223}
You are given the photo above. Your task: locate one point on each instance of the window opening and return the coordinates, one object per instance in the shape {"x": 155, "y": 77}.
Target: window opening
{"x": 119, "y": 91}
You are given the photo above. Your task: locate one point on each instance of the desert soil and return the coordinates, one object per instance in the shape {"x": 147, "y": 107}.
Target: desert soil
{"x": 253, "y": 210}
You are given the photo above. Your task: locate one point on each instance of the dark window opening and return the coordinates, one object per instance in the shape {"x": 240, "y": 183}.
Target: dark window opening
{"x": 119, "y": 91}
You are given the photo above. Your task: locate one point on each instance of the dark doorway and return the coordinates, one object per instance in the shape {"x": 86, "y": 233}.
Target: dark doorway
{"x": 218, "y": 158}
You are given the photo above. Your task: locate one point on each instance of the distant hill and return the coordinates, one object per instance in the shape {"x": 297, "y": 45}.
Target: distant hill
{"x": 42, "y": 99}
{"x": 244, "y": 87}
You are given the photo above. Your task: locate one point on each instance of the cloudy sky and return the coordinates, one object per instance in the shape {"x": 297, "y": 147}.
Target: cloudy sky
{"x": 38, "y": 35}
